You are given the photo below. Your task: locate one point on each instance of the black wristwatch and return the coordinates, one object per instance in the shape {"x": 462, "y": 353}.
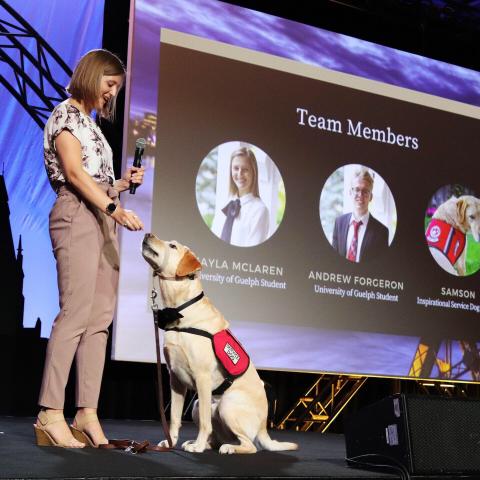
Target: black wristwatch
{"x": 111, "y": 207}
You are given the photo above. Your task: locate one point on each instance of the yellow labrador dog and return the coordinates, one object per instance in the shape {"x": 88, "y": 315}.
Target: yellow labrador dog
{"x": 235, "y": 421}
{"x": 446, "y": 233}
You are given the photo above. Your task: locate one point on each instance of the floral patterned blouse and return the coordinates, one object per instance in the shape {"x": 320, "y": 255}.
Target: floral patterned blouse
{"x": 97, "y": 157}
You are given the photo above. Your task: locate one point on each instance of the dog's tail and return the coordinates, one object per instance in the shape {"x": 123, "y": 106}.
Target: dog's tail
{"x": 267, "y": 443}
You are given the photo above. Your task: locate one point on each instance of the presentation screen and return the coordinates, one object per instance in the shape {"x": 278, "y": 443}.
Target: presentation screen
{"x": 335, "y": 216}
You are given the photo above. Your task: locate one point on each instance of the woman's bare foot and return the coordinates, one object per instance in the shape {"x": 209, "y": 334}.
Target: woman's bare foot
{"x": 86, "y": 421}
{"x": 53, "y": 423}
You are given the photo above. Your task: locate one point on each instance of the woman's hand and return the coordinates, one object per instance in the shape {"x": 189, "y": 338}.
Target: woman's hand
{"x": 127, "y": 218}
{"x": 131, "y": 175}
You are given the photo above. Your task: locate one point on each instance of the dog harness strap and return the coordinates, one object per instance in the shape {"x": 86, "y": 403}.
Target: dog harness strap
{"x": 193, "y": 331}
{"x": 168, "y": 315}
{"x": 225, "y": 385}
{"x": 190, "y": 302}
{"x": 442, "y": 236}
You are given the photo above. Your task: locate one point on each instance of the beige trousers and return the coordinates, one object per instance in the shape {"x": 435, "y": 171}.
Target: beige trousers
{"x": 86, "y": 250}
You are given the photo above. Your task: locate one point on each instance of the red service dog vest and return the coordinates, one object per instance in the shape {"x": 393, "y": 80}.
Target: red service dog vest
{"x": 230, "y": 353}
{"x": 442, "y": 236}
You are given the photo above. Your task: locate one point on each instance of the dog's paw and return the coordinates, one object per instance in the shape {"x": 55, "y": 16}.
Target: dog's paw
{"x": 227, "y": 449}
{"x": 164, "y": 443}
{"x": 193, "y": 447}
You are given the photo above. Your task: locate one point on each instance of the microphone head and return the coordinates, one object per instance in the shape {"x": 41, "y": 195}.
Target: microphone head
{"x": 140, "y": 143}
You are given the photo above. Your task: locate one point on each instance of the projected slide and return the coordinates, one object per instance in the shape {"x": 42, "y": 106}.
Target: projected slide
{"x": 313, "y": 130}
{"x": 336, "y": 218}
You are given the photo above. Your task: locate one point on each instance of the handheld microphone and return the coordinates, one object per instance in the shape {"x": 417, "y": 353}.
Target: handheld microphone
{"x": 137, "y": 160}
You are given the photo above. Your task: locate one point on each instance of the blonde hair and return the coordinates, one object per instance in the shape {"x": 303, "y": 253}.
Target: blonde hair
{"x": 252, "y": 161}
{"x": 363, "y": 174}
{"x": 86, "y": 79}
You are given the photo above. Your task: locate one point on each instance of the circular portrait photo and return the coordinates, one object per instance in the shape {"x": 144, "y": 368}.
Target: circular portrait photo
{"x": 240, "y": 194}
{"x": 358, "y": 213}
{"x": 452, "y": 229}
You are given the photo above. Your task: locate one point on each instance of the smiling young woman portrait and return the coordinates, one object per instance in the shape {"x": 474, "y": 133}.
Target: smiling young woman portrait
{"x": 83, "y": 229}
{"x": 240, "y": 193}
{"x": 245, "y": 219}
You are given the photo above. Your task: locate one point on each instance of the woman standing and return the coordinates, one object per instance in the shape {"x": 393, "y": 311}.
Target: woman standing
{"x": 83, "y": 229}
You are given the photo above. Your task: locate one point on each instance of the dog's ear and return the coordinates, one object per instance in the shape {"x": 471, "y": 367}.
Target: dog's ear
{"x": 188, "y": 265}
{"x": 461, "y": 210}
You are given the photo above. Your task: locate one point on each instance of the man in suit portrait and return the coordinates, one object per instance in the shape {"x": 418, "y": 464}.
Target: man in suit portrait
{"x": 357, "y": 235}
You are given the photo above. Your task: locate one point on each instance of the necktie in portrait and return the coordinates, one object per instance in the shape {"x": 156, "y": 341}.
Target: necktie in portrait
{"x": 352, "y": 251}
{"x": 231, "y": 210}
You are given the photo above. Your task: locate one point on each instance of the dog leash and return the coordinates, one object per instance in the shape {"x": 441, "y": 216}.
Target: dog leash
{"x": 161, "y": 404}
{"x": 131, "y": 446}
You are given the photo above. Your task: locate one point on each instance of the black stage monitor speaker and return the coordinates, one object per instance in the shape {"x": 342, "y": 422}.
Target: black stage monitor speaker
{"x": 422, "y": 434}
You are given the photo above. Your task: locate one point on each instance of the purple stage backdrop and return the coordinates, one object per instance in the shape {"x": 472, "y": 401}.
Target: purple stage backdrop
{"x": 30, "y": 195}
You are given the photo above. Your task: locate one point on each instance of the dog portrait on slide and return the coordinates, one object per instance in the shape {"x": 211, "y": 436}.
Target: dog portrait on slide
{"x": 202, "y": 355}
{"x": 447, "y": 232}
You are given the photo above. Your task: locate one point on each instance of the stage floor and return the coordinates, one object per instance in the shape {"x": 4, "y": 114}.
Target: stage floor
{"x": 319, "y": 456}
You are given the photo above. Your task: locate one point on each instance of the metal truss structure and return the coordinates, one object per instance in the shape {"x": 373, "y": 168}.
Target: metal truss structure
{"x": 322, "y": 403}
{"x": 30, "y": 62}
{"x": 431, "y": 354}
